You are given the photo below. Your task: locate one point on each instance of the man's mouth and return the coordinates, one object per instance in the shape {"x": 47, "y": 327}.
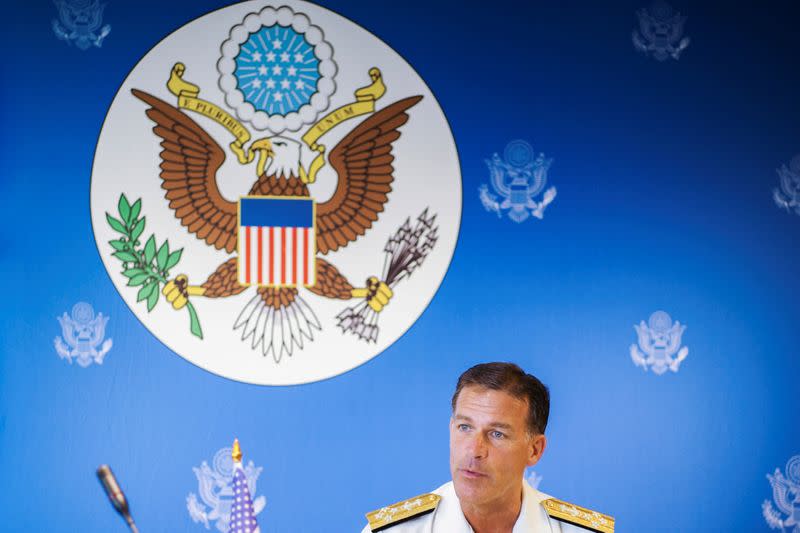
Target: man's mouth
{"x": 471, "y": 474}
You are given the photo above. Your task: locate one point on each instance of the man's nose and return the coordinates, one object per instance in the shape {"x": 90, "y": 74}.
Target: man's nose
{"x": 478, "y": 446}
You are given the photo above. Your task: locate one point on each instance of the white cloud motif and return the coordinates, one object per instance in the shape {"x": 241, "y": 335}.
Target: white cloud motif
{"x": 254, "y": 47}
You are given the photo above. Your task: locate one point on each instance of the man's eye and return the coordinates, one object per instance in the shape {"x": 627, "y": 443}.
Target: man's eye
{"x": 498, "y": 435}
{"x": 463, "y": 427}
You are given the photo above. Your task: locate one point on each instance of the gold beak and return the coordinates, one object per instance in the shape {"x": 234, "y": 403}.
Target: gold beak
{"x": 264, "y": 148}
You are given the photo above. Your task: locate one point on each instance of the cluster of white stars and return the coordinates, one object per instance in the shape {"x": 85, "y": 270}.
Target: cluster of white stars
{"x": 243, "y": 519}
{"x": 277, "y": 75}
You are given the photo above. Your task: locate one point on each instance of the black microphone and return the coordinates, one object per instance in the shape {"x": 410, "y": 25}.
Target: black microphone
{"x": 114, "y": 493}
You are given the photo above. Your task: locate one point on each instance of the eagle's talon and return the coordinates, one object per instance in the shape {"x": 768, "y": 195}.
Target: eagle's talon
{"x": 378, "y": 294}
{"x": 178, "y": 291}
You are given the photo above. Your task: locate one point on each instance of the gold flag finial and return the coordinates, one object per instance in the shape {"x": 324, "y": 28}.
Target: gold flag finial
{"x": 237, "y": 451}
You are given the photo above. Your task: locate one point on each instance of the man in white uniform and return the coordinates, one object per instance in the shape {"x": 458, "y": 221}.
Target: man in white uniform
{"x": 496, "y": 432}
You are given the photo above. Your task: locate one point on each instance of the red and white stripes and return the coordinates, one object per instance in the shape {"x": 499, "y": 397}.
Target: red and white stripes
{"x": 276, "y": 256}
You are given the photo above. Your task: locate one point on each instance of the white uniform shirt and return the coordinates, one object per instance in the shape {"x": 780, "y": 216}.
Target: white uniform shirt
{"x": 448, "y": 517}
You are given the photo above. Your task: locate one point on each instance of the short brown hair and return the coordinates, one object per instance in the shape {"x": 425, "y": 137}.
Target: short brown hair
{"x": 510, "y": 378}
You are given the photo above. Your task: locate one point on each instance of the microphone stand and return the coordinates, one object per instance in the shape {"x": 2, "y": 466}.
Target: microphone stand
{"x": 131, "y": 525}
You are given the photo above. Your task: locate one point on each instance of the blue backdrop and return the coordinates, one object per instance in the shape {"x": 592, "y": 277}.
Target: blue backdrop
{"x": 664, "y": 171}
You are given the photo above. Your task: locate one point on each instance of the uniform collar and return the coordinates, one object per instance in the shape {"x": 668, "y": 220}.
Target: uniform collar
{"x": 532, "y": 516}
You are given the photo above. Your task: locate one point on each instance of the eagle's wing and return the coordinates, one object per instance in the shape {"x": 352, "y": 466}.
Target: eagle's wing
{"x": 189, "y": 162}
{"x": 677, "y": 30}
{"x": 363, "y": 161}
{"x": 644, "y": 25}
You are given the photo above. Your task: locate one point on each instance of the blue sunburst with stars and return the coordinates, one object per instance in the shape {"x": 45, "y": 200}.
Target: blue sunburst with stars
{"x": 277, "y": 70}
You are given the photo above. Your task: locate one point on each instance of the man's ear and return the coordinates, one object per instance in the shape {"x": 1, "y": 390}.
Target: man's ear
{"x": 536, "y": 448}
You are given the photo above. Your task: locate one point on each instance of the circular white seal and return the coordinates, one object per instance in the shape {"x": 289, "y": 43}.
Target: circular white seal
{"x": 267, "y": 259}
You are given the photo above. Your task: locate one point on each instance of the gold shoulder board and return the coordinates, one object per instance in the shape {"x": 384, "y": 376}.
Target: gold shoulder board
{"x": 579, "y": 516}
{"x": 399, "y": 512}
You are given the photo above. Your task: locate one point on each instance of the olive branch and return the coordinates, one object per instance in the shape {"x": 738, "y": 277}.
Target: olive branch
{"x": 146, "y": 267}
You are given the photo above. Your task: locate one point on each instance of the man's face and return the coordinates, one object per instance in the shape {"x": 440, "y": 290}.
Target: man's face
{"x": 490, "y": 446}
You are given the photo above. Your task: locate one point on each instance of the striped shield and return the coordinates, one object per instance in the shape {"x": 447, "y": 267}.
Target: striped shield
{"x": 276, "y": 241}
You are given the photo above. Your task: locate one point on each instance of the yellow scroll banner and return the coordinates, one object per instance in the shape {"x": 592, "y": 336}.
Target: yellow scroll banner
{"x": 336, "y": 117}
{"x": 188, "y": 93}
{"x": 187, "y": 99}
{"x": 364, "y": 104}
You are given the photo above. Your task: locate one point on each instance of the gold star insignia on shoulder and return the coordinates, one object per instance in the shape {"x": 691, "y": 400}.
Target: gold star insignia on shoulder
{"x": 386, "y": 517}
{"x": 579, "y": 516}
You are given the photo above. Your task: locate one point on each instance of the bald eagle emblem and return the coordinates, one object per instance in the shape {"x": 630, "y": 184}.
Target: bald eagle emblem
{"x": 786, "y": 494}
{"x": 788, "y": 195}
{"x": 660, "y": 32}
{"x": 295, "y": 128}
{"x": 659, "y": 347}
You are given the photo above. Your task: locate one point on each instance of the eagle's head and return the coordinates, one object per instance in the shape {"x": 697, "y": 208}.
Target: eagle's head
{"x": 281, "y": 157}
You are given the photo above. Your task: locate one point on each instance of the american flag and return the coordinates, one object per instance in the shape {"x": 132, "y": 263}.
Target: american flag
{"x": 276, "y": 241}
{"x": 243, "y": 519}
